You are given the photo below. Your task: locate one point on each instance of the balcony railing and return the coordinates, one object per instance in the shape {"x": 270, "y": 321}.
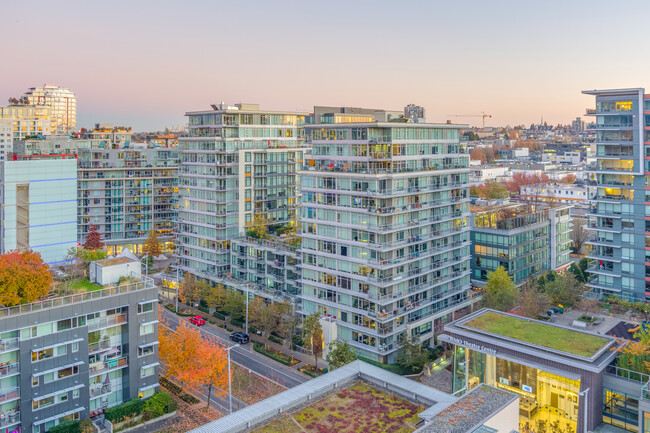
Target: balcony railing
{"x": 102, "y": 366}
{"x": 9, "y": 418}
{"x": 9, "y": 344}
{"x": 103, "y": 389}
{"x": 7, "y": 394}
{"x": 105, "y": 322}
{"x": 631, "y": 375}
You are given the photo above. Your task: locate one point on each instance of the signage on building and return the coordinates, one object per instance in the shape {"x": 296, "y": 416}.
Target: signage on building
{"x": 474, "y": 346}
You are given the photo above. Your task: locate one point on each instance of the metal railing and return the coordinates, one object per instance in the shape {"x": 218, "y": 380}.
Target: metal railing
{"x": 627, "y": 374}
{"x": 146, "y": 283}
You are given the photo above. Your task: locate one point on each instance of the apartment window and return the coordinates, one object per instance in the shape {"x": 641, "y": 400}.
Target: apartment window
{"x": 34, "y": 380}
{"x": 148, "y": 371}
{"x": 145, "y": 308}
{"x": 146, "y": 329}
{"x": 146, "y": 350}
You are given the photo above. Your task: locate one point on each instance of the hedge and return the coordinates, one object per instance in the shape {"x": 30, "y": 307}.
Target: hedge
{"x": 218, "y": 315}
{"x": 66, "y": 427}
{"x": 275, "y": 339}
{"x": 296, "y": 340}
{"x": 283, "y": 359}
{"x": 172, "y": 308}
{"x": 206, "y": 310}
{"x": 393, "y": 368}
{"x": 171, "y": 386}
{"x": 189, "y": 398}
{"x": 237, "y": 323}
{"x": 130, "y": 408}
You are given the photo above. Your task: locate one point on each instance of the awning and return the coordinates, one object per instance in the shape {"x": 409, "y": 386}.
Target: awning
{"x": 148, "y": 387}
{"x": 52, "y": 394}
{"x": 60, "y": 415}
{"x": 52, "y": 370}
{"x": 147, "y": 302}
{"x": 153, "y": 322}
{"x": 147, "y": 345}
{"x": 76, "y": 340}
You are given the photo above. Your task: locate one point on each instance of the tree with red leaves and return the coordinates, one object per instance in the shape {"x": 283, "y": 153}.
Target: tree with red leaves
{"x": 94, "y": 239}
{"x": 24, "y": 278}
{"x": 521, "y": 179}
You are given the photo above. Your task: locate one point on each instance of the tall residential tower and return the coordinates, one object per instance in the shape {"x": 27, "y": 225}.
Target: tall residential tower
{"x": 62, "y": 104}
{"x": 618, "y": 210}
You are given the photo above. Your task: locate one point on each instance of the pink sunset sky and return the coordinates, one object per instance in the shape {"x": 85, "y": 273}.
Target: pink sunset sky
{"x": 144, "y": 63}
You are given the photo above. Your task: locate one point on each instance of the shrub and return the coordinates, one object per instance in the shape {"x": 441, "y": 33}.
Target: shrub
{"x": 275, "y": 339}
{"x": 66, "y": 427}
{"x": 237, "y": 323}
{"x": 296, "y": 340}
{"x": 172, "y": 308}
{"x": 218, "y": 315}
{"x": 85, "y": 426}
{"x": 171, "y": 386}
{"x": 117, "y": 413}
{"x": 188, "y": 398}
{"x": 212, "y": 322}
{"x": 203, "y": 309}
{"x": 229, "y": 329}
{"x": 159, "y": 404}
{"x": 273, "y": 354}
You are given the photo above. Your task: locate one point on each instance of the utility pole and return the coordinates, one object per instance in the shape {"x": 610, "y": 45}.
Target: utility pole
{"x": 229, "y": 348}
{"x": 178, "y": 286}
{"x": 247, "y": 297}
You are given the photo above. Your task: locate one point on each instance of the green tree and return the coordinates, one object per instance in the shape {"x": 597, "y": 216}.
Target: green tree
{"x": 215, "y": 296}
{"x": 531, "y": 302}
{"x": 500, "y": 290}
{"x": 264, "y": 317}
{"x": 564, "y": 289}
{"x": 260, "y": 226}
{"x": 578, "y": 273}
{"x": 189, "y": 290}
{"x": 411, "y": 356}
{"x": 234, "y": 305}
{"x": 339, "y": 354}
{"x": 312, "y": 335}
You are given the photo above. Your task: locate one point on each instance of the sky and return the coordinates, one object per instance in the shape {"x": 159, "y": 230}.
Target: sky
{"x": 145, "y": 63}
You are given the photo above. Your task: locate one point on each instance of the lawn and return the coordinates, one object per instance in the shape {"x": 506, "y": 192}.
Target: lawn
{"x": 252, "y": 388}
{"x": 83, "y": 285}
{"x": 560, "y": 339}
{"x": 359, "y": 408}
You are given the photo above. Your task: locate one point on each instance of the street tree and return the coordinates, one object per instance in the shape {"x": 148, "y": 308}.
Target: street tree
{"x": 24, "y": 278}
{"x": 531, "y": 301}
{"x": 188, "y": 293}
{"x": 264, "y": 317}
{"x": 234, "y": 305}
{"x": 411, "y": 356}
{"x": 578, "y": 273}
{"x": 214, "y": 295}
{"x": 339, "y": 354}
{"x": 94, "y": 239}
{"x": 500, "y": 290}
{"x": 312, "y": 335}
{"x": 564, "y": 290}
{"x": 152, "y": 245}
{"x": 192, "y": 360}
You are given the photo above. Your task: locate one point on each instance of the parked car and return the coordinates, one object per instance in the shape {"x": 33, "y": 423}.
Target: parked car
{"x": 197, "y": 320}
{"x": 239, "y": 337}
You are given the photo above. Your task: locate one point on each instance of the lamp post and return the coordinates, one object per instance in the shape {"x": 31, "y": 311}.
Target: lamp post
{"x": 247, "y": 298}
{"x": 178, "y": 286}
{"x": 229, "y": 348}
{"x": 586, "y": 406}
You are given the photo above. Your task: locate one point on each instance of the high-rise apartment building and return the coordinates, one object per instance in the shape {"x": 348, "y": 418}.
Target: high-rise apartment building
{"x": 125, "y": 193}
{"x": 27, "y": 120}
{"x": 618, "y": 196}
{"x": 72, "y": 357}
{"x": 62, "y": 104}
{"x": 39, "y": 206}
{"x": 235, "y": 162}
{"x": 385, "y": 237}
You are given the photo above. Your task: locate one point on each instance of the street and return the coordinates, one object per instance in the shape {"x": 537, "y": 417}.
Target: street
{"x": 243, "y": 355}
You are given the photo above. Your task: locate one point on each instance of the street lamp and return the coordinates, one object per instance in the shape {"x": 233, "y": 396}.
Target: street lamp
{"x": 586, "y": 405}
{"x": 229, "y": 348}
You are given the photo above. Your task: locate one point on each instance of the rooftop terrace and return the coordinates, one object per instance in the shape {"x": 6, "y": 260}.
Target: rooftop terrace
{"x": 537, "y": 333}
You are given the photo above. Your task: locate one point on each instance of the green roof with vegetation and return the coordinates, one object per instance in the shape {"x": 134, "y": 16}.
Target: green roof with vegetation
{"x": 538, "y": 333}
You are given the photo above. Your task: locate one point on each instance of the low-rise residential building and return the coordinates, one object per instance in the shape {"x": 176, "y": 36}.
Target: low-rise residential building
{"x": 106, "y": 135}
{"x": 126, "y": 193}
{"x": 518, "y": 153}
{"x": 6, "y": 137}
{"x": 39, "y": 206}
{"x": 525, "y": 239}
{"x": 566, "y": 193}
{"x": 483, "y": 173}
{"x": 570, "y": 158}
{"x": 73, "y": 357}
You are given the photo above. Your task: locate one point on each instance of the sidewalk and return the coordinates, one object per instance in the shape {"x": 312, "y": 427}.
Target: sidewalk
{"x": 301, "y": 357}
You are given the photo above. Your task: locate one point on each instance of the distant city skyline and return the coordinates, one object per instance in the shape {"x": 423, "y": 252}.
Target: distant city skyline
{"x": 145, "y": 64}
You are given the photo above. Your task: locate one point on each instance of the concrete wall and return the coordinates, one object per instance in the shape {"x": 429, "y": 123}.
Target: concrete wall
{"x": 506, "y": 420}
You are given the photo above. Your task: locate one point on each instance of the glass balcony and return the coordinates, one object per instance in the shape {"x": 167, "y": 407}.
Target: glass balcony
{"x": 8, "y": 418}
{"x": 102, "y": 366}
{"x": 9, "y": 368}
{"x": 8, "y": 394}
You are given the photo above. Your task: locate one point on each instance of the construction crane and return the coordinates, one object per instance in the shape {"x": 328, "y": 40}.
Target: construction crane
{"x": 483, "y": 115}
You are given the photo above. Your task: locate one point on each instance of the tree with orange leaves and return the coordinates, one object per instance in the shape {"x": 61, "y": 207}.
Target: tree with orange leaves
{"x": 24, "y": 278}
{"x": 193, "y": 361}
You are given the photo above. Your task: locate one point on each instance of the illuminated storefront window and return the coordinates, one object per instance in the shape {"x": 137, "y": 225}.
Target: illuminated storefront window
{"x": 547, "y": 402}
{"x": 622, "y": 411}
